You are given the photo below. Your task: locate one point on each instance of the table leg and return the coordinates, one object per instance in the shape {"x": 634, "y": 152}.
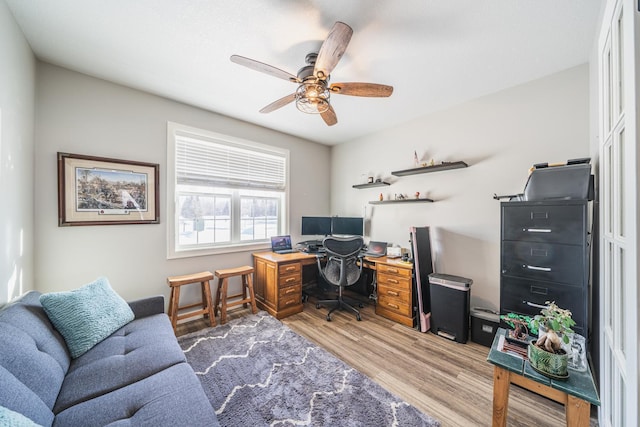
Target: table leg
{"x": 577, "y": 412}
{"x": 501, "y": 383}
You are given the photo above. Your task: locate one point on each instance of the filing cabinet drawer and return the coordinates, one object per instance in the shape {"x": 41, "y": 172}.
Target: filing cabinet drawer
{"x": 394, "y": 281}
{"x": 541, "y": 261}
{"x": 393, "y": 270}
{"x": 290, "y": 280}
{"x": 544, "y": 223}
{"x": 529, "y": 296}
{"x": 289, "y": 268}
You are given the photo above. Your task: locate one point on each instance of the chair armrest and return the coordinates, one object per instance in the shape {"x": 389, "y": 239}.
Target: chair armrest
{"x": 147, "y": 306}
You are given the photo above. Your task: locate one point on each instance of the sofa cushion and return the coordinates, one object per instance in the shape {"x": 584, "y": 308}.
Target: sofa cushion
{"x": 9, "y": 418}
{"x": 87, "y": 315}
{"x": 173, "y": 396}
{"x": 135, "y": 351}
{"x": 33, "y": 360}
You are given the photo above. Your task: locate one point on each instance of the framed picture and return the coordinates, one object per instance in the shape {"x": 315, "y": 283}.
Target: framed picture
{"x": 100, "y": 191}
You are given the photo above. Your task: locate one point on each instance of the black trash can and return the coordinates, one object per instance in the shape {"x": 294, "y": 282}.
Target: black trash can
{"x": 450, "y": 300}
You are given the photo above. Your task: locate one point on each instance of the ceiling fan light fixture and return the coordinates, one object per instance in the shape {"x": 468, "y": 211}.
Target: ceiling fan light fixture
{"x": 312, "y": 98}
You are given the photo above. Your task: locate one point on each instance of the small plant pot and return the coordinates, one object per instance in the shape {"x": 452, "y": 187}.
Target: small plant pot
{"x": 549, "y": 364}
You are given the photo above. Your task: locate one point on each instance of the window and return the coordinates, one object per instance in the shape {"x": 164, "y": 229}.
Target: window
{"x": 225, "y": 194}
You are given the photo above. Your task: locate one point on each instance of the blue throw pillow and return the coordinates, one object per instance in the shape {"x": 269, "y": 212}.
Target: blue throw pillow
{"x": 87, "y": 315}
{"x": 9, "y": 418}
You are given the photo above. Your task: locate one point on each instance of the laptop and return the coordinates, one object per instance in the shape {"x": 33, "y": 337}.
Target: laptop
{"x": 282, "y": 245}
{"x": 376, "y": 249}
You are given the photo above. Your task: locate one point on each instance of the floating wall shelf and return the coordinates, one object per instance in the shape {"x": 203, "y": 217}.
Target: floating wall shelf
{"x": 383, "y": 202}
{"x": 435, "y": 168}
{"x": 371, "y": 184}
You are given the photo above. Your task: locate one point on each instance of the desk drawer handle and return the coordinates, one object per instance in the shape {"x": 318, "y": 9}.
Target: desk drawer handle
{"x": 394, "y": 306}
{"x": 533, "y": 267}
{"x": 289, "y": 291}
{"x": 393, "y": 281}
{"x": 291, "y": 301}
{"x": 392, "y": 270}
{"x": 290, "y": 279}
{"x": 291, "y": 268}
{"x": 395, "y": 294}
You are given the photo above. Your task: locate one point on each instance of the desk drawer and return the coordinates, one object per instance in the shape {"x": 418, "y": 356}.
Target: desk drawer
{"x": 285, "y": 293}
{"x": 543, "y": 261}
{"x": 290, "y": 268}
{"x": 394, "y": 281}
{"x": 393, "y": 270}
{"x": 402, "y": 295}
{"x": 397, "y": 305}
{"x": 290, "y": 280}
{"x": 289, "y": 301}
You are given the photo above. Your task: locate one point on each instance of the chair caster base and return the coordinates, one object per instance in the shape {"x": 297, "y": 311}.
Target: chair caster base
{"x": 328, "y": 318}
{"x": 358, "y": 318}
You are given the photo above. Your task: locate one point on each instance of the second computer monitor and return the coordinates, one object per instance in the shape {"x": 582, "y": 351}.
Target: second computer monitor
{"x": 316, "y": 225}
{"x": 351, "y": 226}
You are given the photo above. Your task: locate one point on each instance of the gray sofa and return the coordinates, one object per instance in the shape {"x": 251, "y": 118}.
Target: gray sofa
{"x": 137, "y": 376}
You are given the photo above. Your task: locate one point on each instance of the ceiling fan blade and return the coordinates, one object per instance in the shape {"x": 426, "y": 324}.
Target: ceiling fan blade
{"x": 264, "y": 68}
{"x": 362, "y": 89}
{"x": 329, "y": 116}
{"x": 279, "y": 103}
{"x": 332, "y": 49}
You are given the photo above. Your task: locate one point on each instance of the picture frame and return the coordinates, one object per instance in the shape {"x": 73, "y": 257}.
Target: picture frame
{"x": 102, "y": 191}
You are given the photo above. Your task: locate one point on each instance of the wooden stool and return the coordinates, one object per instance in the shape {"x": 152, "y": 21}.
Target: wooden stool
{"x": 175, "y": 282}
{"x": 222, "y": 299}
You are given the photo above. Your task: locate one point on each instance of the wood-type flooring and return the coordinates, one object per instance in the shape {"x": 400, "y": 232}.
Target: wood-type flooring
{"x": 450, "y": 381}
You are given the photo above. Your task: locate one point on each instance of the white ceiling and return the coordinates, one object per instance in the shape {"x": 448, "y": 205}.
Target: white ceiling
{"x": 435, "y": 53}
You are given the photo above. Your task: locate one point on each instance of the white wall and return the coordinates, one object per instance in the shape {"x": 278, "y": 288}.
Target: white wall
{"x": 500, "y": 136}
{"x": 84, "y": 115}
{"x": 17, "y": 85}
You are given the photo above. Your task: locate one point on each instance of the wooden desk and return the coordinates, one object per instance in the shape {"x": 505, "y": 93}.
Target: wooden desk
{"x": 278, "y": 281}
{"x": 278, "y": 284}
{"x": 577, "y": 393}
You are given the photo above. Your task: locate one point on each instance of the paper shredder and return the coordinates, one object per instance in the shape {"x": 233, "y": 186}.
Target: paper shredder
{"x": 450, "y": 300}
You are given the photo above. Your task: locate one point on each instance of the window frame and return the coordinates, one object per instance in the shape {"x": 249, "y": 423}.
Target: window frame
{"x": 172, "y": 193}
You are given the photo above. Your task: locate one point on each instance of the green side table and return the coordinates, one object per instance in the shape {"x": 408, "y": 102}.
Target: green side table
{"x": 577, "y": 393}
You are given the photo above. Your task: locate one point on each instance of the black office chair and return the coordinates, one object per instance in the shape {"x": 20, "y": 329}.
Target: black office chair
{"x": 341, "y": 269}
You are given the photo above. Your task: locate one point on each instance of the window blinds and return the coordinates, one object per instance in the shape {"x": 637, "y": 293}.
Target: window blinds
{"x": 219, "y": 163}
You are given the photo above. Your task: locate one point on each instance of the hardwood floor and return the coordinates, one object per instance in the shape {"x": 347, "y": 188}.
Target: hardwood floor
{"x": 450, "y": 381}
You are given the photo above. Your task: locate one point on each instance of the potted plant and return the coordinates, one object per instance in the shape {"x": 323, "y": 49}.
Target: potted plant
{"x": 521, "y": 325}
{"x": 546, "y": 354}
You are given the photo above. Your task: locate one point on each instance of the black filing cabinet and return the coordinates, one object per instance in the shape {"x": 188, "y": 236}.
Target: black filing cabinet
{"x": 545, "y": 256}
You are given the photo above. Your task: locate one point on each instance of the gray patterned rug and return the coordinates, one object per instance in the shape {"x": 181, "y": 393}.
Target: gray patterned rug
{"x": 258, "y": 372}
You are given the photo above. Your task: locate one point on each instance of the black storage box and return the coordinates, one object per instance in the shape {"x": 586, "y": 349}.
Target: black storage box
{"x": 450, "y": 297}
{"x": 573, "y": 181}
{"x": 484, "y": 324}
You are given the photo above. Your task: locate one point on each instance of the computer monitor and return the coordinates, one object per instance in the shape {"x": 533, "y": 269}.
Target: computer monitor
{"x": 316, "y": 225}
{"x": 350, "y": 226}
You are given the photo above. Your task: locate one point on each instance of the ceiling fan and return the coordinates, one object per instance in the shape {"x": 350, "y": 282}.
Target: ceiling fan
{"x": 314, "y": 90}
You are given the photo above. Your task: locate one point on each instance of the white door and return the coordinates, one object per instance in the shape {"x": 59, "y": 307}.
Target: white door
{"x": 618, "y": 140}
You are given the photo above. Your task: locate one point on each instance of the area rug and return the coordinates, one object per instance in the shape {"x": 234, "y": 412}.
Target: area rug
{"x": 258, "y": 372}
